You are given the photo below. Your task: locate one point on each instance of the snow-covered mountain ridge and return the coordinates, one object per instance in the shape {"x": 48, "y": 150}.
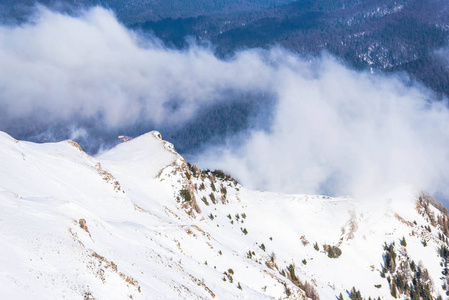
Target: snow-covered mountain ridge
{"x": 139, "y": 222}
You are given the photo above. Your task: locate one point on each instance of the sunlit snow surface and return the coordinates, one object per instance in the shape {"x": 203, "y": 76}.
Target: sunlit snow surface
{"x": 141, "y": 242}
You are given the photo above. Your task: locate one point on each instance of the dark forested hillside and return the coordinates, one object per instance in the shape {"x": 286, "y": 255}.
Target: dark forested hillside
{"x": 132, "y": 11}
{"x": 400, "y": 35}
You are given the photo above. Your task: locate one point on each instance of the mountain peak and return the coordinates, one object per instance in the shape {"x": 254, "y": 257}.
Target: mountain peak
{"x": 139, "y": 221}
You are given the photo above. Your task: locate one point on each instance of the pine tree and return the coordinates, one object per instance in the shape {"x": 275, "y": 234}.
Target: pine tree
{"x": 427, "y": 293}
{"x": 185, "y": 194}
{"x": 287, "y": 290}
{"x": 413, "y": 266}
{"x": 355, "y": 294}
{"x": 330, "y": 252}
{"x": 403, "y": 242}
{"x": 307, "y": 289}
{"x": 212, "y": 198}
{"x": 291, "y": 269}
{"x": 393, "y": 289}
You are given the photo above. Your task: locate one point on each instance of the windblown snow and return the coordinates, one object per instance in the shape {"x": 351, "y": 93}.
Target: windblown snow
{"x": 139, "y": 222}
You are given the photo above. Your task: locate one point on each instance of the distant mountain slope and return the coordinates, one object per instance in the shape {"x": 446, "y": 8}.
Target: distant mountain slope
{"x": 130, "y": 11}
{"x": 139, "y": 222}
{"x": 389, "y": 35}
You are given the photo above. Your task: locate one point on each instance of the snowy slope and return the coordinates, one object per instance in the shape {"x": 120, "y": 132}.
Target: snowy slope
{"x": 118, "y": 226}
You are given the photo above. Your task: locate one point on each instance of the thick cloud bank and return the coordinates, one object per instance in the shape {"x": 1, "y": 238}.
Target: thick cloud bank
{"x": 338, "y": 131}
{"x": 94, "y": 67}
{"x": 332, "y": 130}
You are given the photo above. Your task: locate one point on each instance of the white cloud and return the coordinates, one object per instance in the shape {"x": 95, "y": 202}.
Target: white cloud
{"x": 93, "y": 65}
{"x": 343, "y": 132}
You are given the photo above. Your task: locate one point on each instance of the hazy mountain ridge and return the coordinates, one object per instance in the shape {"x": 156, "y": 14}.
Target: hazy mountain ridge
{"x": 139, "y": 222}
